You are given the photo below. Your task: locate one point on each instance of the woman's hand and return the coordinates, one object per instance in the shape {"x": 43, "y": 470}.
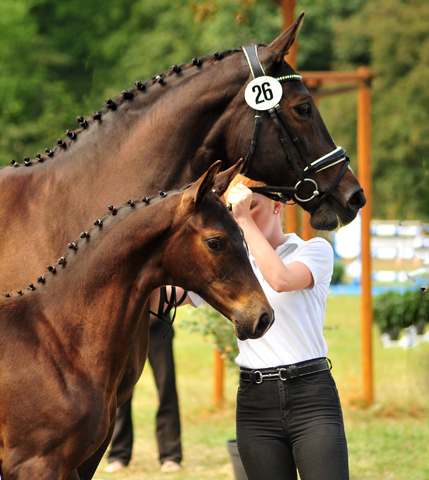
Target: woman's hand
{"x": 240, "y": 198}
{"x": 259, "y": 218}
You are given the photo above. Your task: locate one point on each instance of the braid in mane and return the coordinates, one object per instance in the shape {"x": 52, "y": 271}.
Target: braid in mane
{"x": 126, "y": 95}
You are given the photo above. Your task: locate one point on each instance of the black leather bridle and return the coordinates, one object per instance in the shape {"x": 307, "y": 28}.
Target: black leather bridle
{"x": 287, "y": 194}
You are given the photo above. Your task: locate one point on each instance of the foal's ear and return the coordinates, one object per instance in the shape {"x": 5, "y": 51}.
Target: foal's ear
{"x": 280, "y": 47}
{"x": 223, "y": 179}
{"x": 196, "y": 193}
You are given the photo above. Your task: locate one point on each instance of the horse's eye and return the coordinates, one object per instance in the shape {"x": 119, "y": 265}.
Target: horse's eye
{"x": 214, "y": 244}
{"x": 304, "y": 110}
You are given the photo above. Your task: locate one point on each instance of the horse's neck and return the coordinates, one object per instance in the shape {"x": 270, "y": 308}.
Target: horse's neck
{"x": 125, "y": 250}
{"x": 105, "y": 282}
{"x": 162, "y": 139}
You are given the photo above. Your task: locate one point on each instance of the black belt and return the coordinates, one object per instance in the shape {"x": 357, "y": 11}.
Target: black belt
{"x": 286, "y": 372}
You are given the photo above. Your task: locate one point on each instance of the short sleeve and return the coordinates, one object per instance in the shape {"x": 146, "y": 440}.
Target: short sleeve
{"x": 195, "y": 299}
{"x": 318, "y": 256}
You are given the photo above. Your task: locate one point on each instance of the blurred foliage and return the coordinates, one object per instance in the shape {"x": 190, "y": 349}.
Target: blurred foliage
{"x": 394, "y": 311}
{"x": 210, "y": 323}
{"x": 63, "y": 59}
{"x": 391, "y": 36}
{"x": 316, "y": 37}
{"x": 338, "y": 273}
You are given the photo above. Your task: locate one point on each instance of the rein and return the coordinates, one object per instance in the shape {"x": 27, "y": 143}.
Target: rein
{"x": 286, "y": 194}
{"x": 172, "y": 303}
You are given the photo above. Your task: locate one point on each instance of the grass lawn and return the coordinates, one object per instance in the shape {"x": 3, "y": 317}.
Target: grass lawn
{"x": 389, "y": 440}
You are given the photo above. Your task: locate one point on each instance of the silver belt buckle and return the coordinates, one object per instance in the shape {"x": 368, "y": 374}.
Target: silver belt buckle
{"x": 280, "y": 374}
{"x": 261, "y": 377}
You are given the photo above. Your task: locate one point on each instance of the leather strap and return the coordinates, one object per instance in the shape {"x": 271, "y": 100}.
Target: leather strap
{"x": 287, "y": 372}
{"x": 253, "y": 61}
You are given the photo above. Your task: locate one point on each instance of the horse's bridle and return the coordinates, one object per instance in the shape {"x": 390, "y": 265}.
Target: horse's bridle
{"x": 285, "y": 194}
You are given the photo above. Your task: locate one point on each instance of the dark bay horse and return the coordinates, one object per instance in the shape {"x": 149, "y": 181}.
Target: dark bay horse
{"x": 64, "y": 341}
{"x": 164, "y": 134}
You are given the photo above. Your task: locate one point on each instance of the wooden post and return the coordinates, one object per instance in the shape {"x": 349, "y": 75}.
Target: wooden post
{"x": 364, "y": 171}
{"x": 307, "y": 231}
{"x": 218, "y": 369}
{"x": 288, "y": 7}
{"x": 291, "y": 218}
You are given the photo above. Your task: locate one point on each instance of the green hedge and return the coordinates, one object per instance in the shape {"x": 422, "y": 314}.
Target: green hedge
{"x": 394, "y": 311}
{"x": 338, "y": 274}
{"x": 209, "y": 322}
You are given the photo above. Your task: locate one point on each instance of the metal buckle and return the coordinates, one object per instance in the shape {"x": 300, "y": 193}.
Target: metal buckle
{"x": 280, "y": 374}
{"x": 315, "y": 192}
{"x": 268, "y": 375}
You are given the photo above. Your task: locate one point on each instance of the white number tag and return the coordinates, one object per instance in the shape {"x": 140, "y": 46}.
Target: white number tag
{"x": 263, "y": 93}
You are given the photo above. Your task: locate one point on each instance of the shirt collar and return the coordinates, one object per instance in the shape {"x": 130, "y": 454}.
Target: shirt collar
{"x": 292, "y": 242}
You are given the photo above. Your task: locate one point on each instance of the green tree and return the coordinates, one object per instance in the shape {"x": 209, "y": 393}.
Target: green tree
{"x": 316, "y": 38}
{"x": 62, "y": 59}
{"x": 27, "y": 99}
{"x": 392, "y": 37}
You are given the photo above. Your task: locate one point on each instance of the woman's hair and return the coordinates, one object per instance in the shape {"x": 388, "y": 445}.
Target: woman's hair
{"x": 247, "y": 182}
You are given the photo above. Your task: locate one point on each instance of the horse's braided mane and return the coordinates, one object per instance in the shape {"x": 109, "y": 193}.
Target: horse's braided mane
{"x": 120, "y": 99}
{"x": 84, "y": 237}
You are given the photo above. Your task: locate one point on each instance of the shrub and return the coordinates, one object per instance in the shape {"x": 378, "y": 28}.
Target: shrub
{"x": 209, "y": 322}
{"x": 338, "y": 275}
{"x": 394, "y": 311}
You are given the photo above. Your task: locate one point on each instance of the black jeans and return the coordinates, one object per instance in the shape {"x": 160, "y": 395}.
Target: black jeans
{"x": 283, "y": 426}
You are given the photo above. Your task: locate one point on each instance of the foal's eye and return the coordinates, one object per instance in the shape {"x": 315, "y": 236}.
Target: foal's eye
{"x": 214, "y": 244}
{"x": 304, "y": 110}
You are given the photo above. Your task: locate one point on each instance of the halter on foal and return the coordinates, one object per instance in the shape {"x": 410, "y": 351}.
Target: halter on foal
{"x": 59, "y": 365}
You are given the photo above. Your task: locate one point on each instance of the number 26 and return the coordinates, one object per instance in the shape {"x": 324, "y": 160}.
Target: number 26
{"x": 263, "y": 90}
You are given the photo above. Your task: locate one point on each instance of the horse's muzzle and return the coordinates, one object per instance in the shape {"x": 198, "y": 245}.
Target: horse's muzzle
{"x": 245, "y": 330}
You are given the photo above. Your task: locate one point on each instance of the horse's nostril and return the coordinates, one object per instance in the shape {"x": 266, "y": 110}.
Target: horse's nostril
{"x": 357, "y": 200}
{"x": 264, "y": 323}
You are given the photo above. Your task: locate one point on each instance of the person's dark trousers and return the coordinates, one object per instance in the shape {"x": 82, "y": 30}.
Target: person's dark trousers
{"x": 161, "y": 360}
{"x": 122, "y": 438}
{"x": 168, "y": 417}
{"x": 295, "y": 424}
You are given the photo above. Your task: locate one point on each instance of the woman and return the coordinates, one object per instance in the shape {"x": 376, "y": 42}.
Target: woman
{"x": 288, "y": 411}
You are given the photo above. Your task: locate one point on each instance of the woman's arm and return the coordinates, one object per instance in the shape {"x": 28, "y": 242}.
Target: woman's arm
{"x": 281, "y": 277}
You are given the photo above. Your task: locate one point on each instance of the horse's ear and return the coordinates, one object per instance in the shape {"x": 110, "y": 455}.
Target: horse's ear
{"x": 196, "y": 193}
{"x": 280, "y": 47}
{"x": 223, "y": 179}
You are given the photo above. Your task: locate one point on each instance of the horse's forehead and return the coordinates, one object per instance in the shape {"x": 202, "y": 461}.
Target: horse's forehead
{"x": 213, "y": 214}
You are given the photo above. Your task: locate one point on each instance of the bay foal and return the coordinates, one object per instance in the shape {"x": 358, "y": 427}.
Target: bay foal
{"x": 60, "y": 359}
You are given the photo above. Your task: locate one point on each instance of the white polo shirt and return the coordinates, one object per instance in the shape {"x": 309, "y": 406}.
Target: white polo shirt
{"x": 297, "y": 332}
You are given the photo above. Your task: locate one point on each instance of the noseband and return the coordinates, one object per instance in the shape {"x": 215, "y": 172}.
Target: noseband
{"x": 338, "y": 155}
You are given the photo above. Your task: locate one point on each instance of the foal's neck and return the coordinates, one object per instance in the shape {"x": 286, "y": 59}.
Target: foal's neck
{"x": 106, "y": 281}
